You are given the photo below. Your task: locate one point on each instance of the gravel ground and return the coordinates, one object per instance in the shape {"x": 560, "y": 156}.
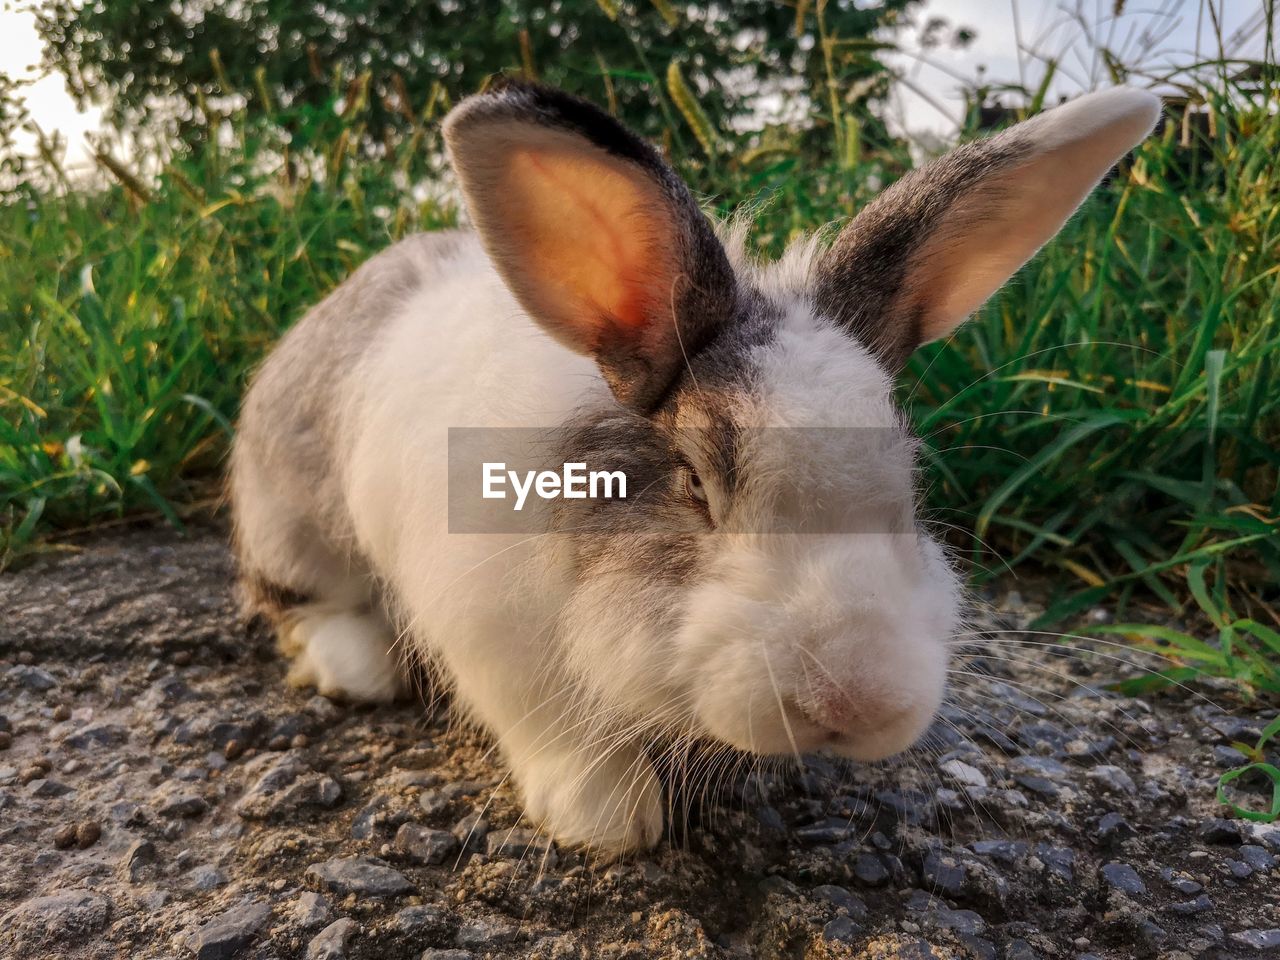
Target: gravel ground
{"x": 162, "y": 794}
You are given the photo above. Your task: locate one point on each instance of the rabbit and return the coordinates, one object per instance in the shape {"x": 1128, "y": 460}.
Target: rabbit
{"x": 594, "y": 297}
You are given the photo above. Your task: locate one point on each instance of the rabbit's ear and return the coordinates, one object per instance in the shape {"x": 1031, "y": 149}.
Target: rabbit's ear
{"x": 593, "y": 232}
{"x": 928, "y": 251}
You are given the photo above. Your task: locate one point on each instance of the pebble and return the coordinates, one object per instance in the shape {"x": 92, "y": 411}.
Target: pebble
{"x": 363, "y": 876}
{"x": 1258, "y": 940}
{"x": 943, "y": 873}
{"x": 1122, "y": 877}
{"x": 284, "y": 785}
{"x": 448, "y": 955}
{"x": 64, "y": 915}
{"x": 841, "y": 930}
{"x": 1217, "y": 830}
{"x": 1058, "y": 861}
{"x": 44, "y": 788}
{"x": 6, "y": 739}
{"x": 139, "y": 855}
{"x": 1187, "y": 908}
{"x": 870, "y": 869}
{"x": 1180, "y": 882}
{"x": 331, "y": 942}
{"x": 1008, "y": 852}
{"x": 33, "y": 678}
{"x": 182, "y": 804}
{"x": 962, "y": 772}
{"x": 841, "y": 899}
{"x": 1112, "y": 778}
{"x": 471, "y": 830}
{"x": 205, "y": 877}
{"x": 1256, "y": 857}
{"x": 419, "y": 922}
{"x": 228, "y": 933}
{"x": 310, "y": 910}
{"x": 486, "y": 933}
{"x": 1113, "y": 827}
{"x": 518, "y": 843}
{"x": 424, "y": 844}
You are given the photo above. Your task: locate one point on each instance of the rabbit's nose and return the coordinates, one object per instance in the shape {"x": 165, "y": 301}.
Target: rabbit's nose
{"x": 849, "y": 712}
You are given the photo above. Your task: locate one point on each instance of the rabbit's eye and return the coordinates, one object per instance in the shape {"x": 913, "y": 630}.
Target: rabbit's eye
{"x": 693, "y": 485}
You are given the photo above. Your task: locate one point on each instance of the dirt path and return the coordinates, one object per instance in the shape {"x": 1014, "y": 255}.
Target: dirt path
{"x": 163, "y": 795}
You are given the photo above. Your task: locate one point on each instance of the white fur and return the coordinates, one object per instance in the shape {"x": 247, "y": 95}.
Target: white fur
{"x": 342, "y": 654}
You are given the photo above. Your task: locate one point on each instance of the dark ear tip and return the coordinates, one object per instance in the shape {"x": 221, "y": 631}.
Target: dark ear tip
{"x": 512, "y": 98}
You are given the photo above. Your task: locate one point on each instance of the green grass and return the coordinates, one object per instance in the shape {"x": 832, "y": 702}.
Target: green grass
{"x": 1111, "y": 417}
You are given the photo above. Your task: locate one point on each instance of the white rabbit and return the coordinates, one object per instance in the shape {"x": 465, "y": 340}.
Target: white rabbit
{"x": 765, "y": 585}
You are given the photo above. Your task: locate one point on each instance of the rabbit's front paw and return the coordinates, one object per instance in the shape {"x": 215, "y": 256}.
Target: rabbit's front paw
{"x": 612, "y": 805}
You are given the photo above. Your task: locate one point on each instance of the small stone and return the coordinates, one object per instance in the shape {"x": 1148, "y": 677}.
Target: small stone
{"x": 870, "y": 870}
{"x": 1058, "y": 861}
{"x": 1187, "y": 908}
{"x": 471, "y": 830}
{"x": 1113, "y": 827}
{"x": 61, "y": 713}
{"x": 228, "y": 933}
{"x": 424, "y": 844}
{"x": 278, "y": 743}
{"x": 962, "y": 772}
{"x": 958, "y": 921}
{"x": 233, "y": 750}
{"x": 87, "y": 833}
{"x": 1217, "y": 830}
{"x": 65, "y": 836}
{"x": 1239, "y": 869}
{"x": 1008, "y": 852}
{"x": 310, "y": 910}
{"x": 44, "y": 788}
{"x": 205, "y": 877}
{"x": 486, "y": 933}
{"x": 140, "y": 855}
{"x": 6, "y": 739}
{"x": 65, "y": 915}
{"x": 363, "y": 876}
{"x": 1180, "y": 882}
{"x": 1236, "y": 729}
{"x": 1256, "y": 857}
{"x": 331, "y": 942}
{"x": 300, "y": 741}
{"x": 832, "y": 830}
{"x": 286, "y": 784}
{"x": 1258, "y": 940}
{"x": 944, "y": 874}
{"x": 979, "y": 949}
{"x": 841, "y": 899}
{"x": 422, "y": 921}
{"x": 33, "y": 678}
{"x": 1122, "y": 877}
{"x": 1229, "y": 757}
{"x": 1113, "y": 779}
{"x": 519, "y": 843}
{"x": 447, "y": 955}
{"x": 841, "y": 930}
{"x": 1021, "y": 950}
{"x": 1045, "y": 767}
{"x": 182, "y": 804}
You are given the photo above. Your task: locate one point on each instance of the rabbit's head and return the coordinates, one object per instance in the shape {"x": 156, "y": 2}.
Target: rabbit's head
{"x": 767, "y": 582}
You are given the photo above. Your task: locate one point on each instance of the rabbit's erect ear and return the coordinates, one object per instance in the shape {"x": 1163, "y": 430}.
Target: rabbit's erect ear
{"x": 595, "y": 234}
{"x": 928, "y": 251}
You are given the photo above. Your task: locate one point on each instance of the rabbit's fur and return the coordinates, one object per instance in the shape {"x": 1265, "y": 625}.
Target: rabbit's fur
{"x": 768, "y": 586}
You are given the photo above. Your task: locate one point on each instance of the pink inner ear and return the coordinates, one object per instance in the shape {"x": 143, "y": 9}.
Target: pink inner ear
{"x": 588, "y": 224}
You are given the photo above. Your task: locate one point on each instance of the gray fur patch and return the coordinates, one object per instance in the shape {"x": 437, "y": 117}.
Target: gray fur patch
{"x": 863, "y": 281}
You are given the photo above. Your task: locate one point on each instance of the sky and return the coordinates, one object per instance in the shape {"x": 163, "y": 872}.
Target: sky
{"x": 928, "y": 103}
